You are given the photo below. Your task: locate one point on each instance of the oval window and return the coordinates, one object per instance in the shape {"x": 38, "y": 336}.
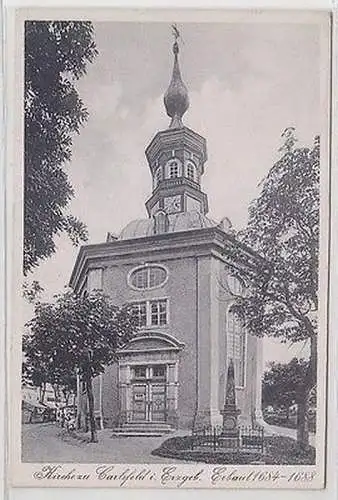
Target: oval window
{"x": 235, "y": 286}
{"x": 148, "y": 277}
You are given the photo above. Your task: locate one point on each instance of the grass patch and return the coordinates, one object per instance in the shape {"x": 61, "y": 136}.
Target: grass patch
{"x": 179, "y": 448}
{"x": 279, "y": 450}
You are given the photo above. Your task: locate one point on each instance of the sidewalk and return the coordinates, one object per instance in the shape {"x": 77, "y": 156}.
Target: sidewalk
{"x": 271, "y": 430}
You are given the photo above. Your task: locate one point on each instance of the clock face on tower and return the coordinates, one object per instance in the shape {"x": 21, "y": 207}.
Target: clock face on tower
{"x": 172, "y": 204}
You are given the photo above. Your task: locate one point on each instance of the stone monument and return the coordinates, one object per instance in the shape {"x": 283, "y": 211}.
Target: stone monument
{"x": 230, "y": 431}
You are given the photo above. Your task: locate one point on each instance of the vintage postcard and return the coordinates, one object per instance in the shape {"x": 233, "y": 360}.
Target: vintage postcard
{"x": 169, "y": 264}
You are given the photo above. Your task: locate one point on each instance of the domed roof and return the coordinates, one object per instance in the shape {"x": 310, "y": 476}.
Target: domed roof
{"x": 182, "y": 221}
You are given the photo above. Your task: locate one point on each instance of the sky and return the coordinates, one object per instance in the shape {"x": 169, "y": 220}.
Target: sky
{"x": 246, "y": 83}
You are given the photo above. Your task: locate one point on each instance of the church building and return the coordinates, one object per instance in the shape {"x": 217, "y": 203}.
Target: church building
{"x": 174, "y": 268}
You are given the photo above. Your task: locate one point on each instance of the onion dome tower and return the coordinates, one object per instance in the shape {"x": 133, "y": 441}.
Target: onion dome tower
{"x": 176, "y": 99}
{"x": 176, "y": 156}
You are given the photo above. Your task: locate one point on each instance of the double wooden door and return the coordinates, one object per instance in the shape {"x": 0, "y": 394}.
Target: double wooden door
{"x": 149, "y": 402}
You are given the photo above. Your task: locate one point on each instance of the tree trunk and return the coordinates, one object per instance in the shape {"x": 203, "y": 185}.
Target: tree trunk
{"x": 31, "y": 416}
{"x": 78, "y": 400}
{"x": 43, "y": 392}
{"x": 93, "y": 432}
{"x": 56, "y": 393}
{"x": 302, "y": 423}
{"x": 303, "y": 397}
{"x": 66, "y": 395}
{"x": 89, "y": 387}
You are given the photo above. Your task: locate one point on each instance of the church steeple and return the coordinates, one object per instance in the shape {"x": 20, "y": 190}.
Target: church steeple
{"x": 176, "y": 156}
{"x": 176, "y": 99}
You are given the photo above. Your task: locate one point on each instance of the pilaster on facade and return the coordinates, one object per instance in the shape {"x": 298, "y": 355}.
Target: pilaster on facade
{"x": 207, "y": 364}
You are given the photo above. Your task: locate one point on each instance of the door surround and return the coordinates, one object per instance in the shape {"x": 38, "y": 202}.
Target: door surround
{"x": 146, "y": 394}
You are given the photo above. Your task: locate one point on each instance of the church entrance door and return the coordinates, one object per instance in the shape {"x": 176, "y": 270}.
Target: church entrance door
{"x": 148, "y": 380}
{"x": 149, "y": 394}
{"x": 140, "y": 403}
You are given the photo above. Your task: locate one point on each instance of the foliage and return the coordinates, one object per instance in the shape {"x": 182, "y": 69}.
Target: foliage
{"x": 31, "y": 291}
{"x": 75, "y": 334}
{"x": 60, "y": 333}
{"x": 283, "y": 228}
{"x": 281, "y": 383}
{"x": 283, "y": 232}
{"x": 56, "y": 56}
{"x": 282, "y": 450}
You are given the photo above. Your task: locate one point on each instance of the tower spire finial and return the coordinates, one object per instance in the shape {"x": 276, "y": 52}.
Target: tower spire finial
{"x": 176, "y": 35}
{"x": 176, "y": 98}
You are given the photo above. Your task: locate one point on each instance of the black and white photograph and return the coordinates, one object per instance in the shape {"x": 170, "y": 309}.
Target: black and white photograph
{"x": 170, "y": 264}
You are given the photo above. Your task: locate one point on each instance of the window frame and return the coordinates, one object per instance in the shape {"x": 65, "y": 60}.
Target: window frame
{"x": 173, "y": 163}
{"x": 163, "y": 377}
{"x": 147, "y": 268}
{"x": 148, "y": 303}
{"x": 139, "y": 377}
{"x": 190, "y": 164}
{"x": 161, "y": 222}
{"x": 235, "y": 285}
{"x": 158, "y": 313}
{"x": 140, "y": 315}
{"x": 174, "y": 171}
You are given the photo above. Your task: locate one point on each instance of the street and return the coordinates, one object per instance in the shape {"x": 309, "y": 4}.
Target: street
{"x": 48, "y": 443}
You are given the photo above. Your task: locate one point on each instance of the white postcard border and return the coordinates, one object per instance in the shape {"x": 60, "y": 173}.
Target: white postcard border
{"x": 23, "y": 474}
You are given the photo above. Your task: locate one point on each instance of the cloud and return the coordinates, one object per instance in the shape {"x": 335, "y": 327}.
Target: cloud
{"x": 247, "y": 84}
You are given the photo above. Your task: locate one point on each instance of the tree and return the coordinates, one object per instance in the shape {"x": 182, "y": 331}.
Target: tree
{"x": 32, "y": 291}
{"x": 281, "y": 383}
{"x": 283, "y": 230}
{"x": 56, "y": 56}
{"x": 77, "y": 334}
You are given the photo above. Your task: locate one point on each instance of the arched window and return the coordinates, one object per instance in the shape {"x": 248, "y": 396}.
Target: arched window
{"x": 173, "y": 168}
{"x": 235, "y": 286}
{"x": 191, "y": 171}
{"x": 236, "y": 346}
{"x": 147, "y": 277}
{"x": 161, "y": 222}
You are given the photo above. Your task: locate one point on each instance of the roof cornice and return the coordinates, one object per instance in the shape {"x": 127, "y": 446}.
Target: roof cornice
{"x": 213, "y": 240}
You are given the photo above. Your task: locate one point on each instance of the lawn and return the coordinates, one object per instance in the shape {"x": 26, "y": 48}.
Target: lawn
{"x": 278, "y": 450}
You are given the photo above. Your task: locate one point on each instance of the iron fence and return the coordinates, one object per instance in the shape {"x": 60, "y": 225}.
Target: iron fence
{"x": 244, "y": 438}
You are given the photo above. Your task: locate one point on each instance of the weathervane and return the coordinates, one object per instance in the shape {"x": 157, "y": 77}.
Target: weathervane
{"x": 175, "y": 32}
{"x": 176, "y": 99}
{"x": 177, "y": 35}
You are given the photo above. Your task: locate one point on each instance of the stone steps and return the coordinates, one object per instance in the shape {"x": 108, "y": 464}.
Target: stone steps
{"x": 145, "y": 430}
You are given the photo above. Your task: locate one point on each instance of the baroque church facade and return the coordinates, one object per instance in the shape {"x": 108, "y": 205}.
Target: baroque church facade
{"x": 174, "y": 268}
